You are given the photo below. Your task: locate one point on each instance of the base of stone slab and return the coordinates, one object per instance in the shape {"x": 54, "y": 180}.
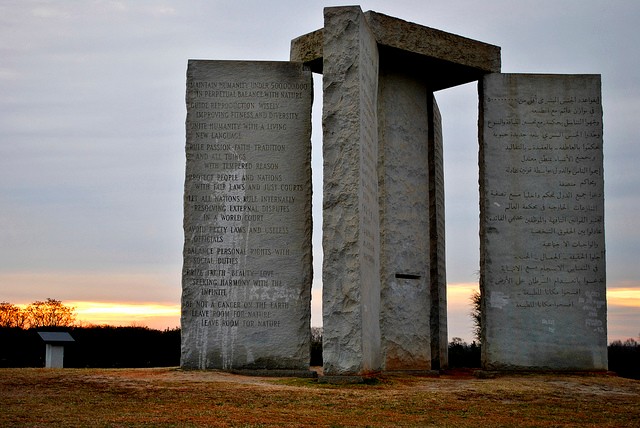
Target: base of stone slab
{"x": 276, "y": 373}
{"x": 369, "y": 379}
{"x": 490, "y": 374}
{"x": 430, "y": 373}
{"x": 485, "y": 374}
{"x": 341, "y": 380}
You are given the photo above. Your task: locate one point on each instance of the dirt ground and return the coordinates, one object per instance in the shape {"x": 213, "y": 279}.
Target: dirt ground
{"x": 173, "y": 397}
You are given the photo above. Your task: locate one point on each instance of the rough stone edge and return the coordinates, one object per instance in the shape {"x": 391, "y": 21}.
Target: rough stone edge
{"x": 341, "y": 181}
{"x": 308, "y": 49}
{"x": 411, "y": 37}
{"x": 437, "y": 252}
{"x": 482, "y": 232}
{"x": 416, "y": 38}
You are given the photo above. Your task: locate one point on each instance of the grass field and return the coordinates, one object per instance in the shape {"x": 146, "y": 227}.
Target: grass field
{"x": 172, "y": 397}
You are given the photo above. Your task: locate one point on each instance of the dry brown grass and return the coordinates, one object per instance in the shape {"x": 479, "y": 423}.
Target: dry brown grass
{"x": 171, "y": 397}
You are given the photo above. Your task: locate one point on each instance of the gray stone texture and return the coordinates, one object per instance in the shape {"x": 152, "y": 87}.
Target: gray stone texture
{"x": 351, "y": 239}
{"x": 542, "y": 222}
{"x": 404, "y": 226}
{"x": 247, "y": 216}
{"x": 445, "y": 59}
{"x": 439, "y": 332}
{"x": 383, "y": 185}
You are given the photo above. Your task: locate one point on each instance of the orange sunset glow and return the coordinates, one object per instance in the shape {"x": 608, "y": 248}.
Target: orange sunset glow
{"x": 153, "y": 315}
{"x": 621, "y": 302}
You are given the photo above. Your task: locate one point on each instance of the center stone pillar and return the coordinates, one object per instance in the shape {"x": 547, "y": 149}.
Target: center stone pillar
{"x": 404, "y": 196}
{"x": 384, "y": 288}
{"x": 351, "y": 239}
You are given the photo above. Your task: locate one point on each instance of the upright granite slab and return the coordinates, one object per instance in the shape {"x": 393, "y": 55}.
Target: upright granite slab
{"x": 542, "y": 222}
{"x": 247, "y": 216}
{"x": 413, "y": 307}
{"x": 405, "y": 311}
{"x": 437, "y": 256}
{"x": 351, "y": 234}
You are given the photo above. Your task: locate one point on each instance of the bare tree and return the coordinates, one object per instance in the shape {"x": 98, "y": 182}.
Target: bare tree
{"x": 12, "y": 316}
{"x": 476, "y": 315}
{"x": 50, "y": 313}
{"x": 316, "y": 346}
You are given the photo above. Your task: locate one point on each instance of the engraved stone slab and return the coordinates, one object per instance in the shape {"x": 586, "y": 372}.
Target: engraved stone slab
{"x": 247, "y": 216}
{"x": 542, "y": 222}
{"x": 351, "y": 238}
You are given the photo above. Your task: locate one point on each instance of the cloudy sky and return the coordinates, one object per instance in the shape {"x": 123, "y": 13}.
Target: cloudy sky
{"x": 92, "y": 136}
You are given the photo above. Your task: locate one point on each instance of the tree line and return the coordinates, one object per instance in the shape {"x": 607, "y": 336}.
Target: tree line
{"x": 95, "y": 346}
{"x": 46, "y": 313}
{"x": 136, "y": 346}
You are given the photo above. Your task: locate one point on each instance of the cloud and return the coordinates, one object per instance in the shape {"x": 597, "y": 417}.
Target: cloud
{"x": 145, "y": 285}
{"x": 92, "y": 130}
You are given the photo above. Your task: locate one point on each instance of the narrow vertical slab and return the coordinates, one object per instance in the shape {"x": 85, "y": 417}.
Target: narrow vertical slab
{"x": 542, "y": 222}
{"x": 405, "y": 239}
{"x": 351, "y": 236}
{"x": 439, "y": 332}
{"x": 247, "y": 216}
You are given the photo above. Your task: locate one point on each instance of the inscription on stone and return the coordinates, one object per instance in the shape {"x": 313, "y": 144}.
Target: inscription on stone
{"x": 543, "y": 255}
{"x": 247, "y": 254}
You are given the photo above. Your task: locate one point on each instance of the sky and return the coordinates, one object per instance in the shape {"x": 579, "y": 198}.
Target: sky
{"x": 92, "y": 138}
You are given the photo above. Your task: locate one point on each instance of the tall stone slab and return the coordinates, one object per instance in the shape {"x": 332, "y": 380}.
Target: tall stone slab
{"x": 351, "y": 235}
{"x": 542, "y": 222}
{"x": 247, "y": 216}
{"x": 403, "y": 116}
{"x": 438, "y": 277}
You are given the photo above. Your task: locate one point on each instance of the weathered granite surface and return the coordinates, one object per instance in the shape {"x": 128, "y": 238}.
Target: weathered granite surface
{"x": 404, "y": 235}
{"x": 542, "y": 222}
{"x": 247, "y": 216}
{"x": 407, "y": 240}
{"x": 439, "y": 331}
{"x": 404, "y": 227}
{"x": 449, "y": 59}
{"x": 351, "y": 238}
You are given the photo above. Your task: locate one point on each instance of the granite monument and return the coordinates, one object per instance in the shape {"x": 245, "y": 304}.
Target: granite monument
{"x": 542, "y": 222}
{"x": 247, "y": 216}
{"x": 384, "y": 276}
{"x": 247, "y": 204}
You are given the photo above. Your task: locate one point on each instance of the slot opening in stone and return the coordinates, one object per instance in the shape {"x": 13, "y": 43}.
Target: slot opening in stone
{"x": 408, "y": 276}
